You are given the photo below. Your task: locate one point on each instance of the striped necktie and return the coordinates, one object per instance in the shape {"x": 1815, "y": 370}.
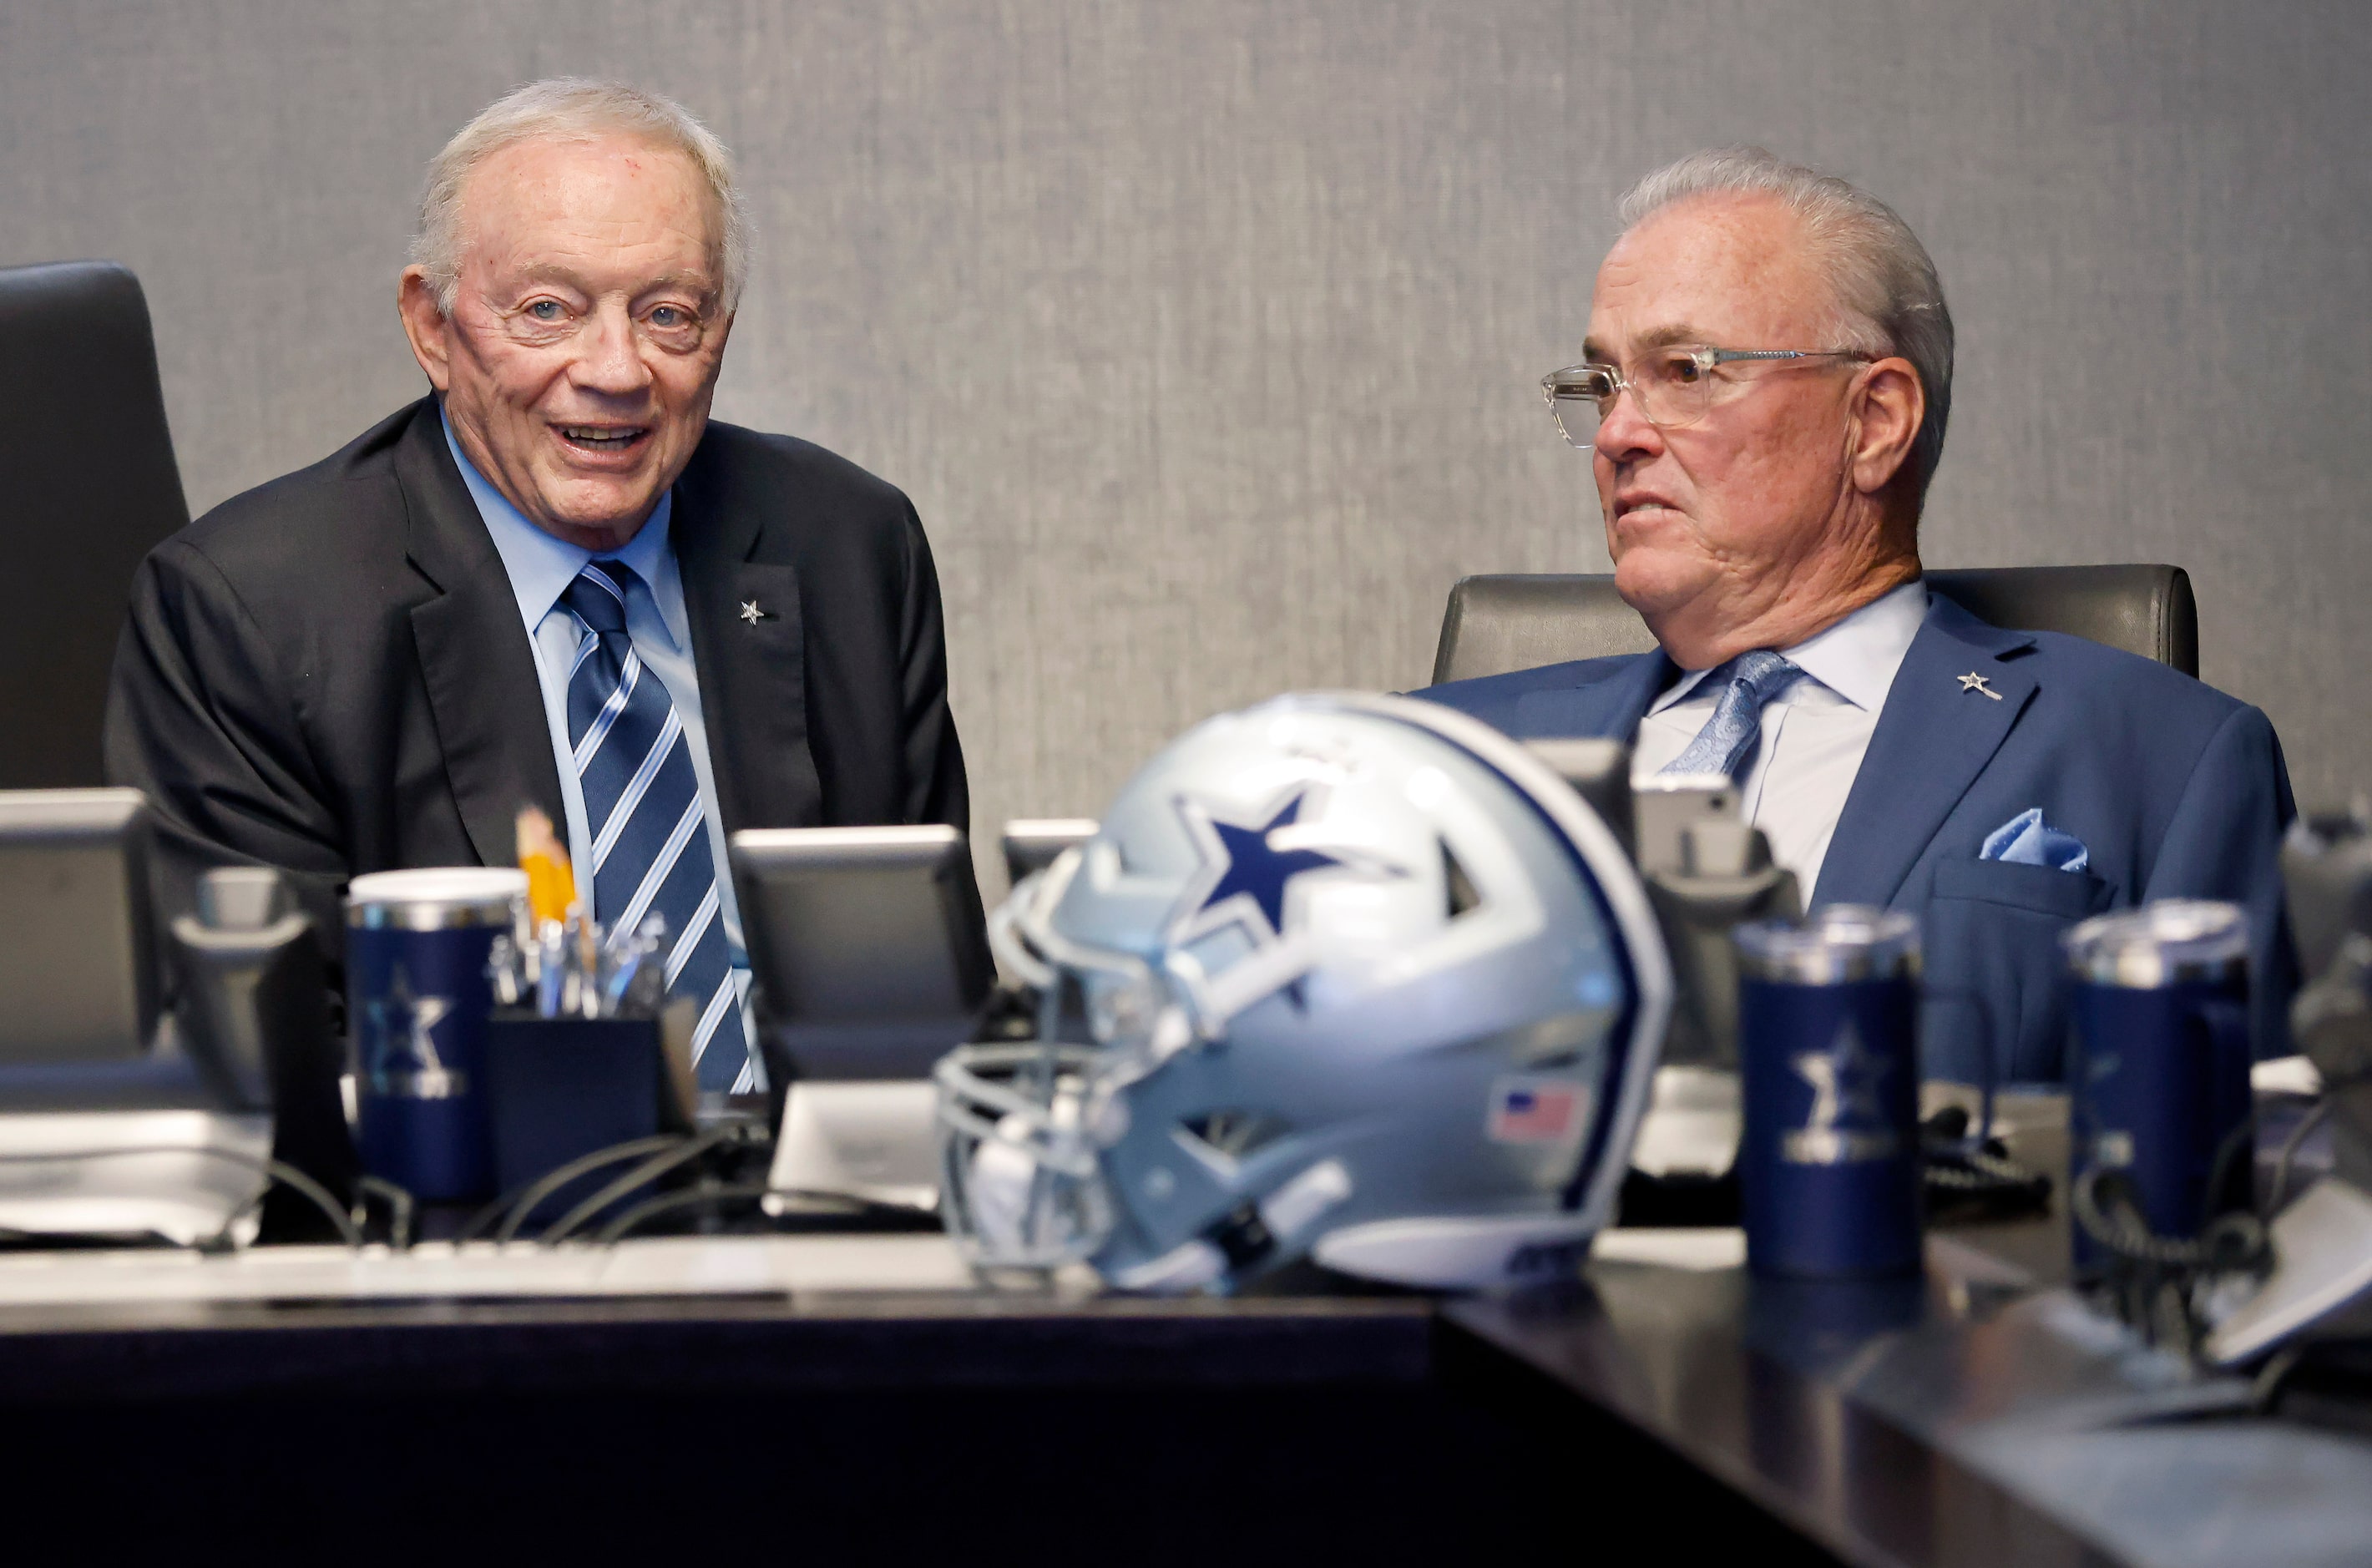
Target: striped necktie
{"x": 1730, "y": 739}
{"x": 651, "y": 852}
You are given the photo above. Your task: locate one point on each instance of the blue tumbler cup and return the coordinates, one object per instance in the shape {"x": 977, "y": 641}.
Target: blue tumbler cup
{"x": 1828, "y": 1163}
{"x": 417, "y": 1000}
{"x": 2159, "y": 1071}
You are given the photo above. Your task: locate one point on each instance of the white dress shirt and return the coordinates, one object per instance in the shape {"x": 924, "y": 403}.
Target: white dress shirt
{"x": 540, "y": 568}
{"x": 1814, "y": 734}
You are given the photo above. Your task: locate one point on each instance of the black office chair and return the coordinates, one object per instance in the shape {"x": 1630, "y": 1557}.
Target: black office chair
{"x": 87, "y": 486}
{"x": 1499, "y": 623}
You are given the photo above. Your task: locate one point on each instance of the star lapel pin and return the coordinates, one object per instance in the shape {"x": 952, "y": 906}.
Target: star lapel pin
{"x": 751, "y": 613}
{"x": 1973, "y": 681}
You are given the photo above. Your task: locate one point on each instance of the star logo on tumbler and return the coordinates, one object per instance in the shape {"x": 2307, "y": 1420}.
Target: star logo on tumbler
{"x": 1847, "y": 1123}
{"x": 402, "y": 1051}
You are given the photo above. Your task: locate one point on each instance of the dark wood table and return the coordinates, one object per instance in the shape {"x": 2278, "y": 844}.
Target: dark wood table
{"x": 1979, "y": 1416}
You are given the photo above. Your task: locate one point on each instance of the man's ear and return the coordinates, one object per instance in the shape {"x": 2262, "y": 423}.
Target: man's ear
{"x": 427, "y": 326}
{"x": 1888, "y": 410}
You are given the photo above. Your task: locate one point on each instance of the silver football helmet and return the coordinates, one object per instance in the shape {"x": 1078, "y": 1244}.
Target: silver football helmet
{"x": 1348, "y": 977}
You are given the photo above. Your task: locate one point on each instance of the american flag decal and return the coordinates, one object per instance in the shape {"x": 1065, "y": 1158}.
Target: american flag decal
{"x": 1534, "y": 1110}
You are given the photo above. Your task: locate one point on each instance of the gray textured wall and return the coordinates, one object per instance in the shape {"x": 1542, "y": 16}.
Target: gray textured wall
{"x": 1207, "y": 336}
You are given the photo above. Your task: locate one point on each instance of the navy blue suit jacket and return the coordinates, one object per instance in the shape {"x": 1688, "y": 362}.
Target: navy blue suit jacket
{"x": 2178, "y": 790}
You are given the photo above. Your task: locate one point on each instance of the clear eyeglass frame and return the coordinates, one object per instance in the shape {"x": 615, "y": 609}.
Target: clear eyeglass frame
{"x": 1674, "y": 385}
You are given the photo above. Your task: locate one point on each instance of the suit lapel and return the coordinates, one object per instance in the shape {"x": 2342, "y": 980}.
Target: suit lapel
{"x": 753, "y": 666}
{"x": 1934, "y": 737}
{"x": 474, "y": 657}
{"x": 1611, "y": 707}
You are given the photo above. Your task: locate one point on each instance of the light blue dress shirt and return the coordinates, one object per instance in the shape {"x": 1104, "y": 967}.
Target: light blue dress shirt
{"x": 1814, "y": 734}
{"x": 540, "y": 567}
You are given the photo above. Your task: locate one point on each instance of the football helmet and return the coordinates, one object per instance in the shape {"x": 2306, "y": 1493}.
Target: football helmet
{"x": 1348, "y": 977}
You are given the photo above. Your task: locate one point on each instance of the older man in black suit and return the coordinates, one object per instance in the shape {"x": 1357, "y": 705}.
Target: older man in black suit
{"x": 553, "y": 582}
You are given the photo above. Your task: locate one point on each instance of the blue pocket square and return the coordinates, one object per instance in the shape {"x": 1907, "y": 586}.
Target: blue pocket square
{"x": 2027, "y": 840}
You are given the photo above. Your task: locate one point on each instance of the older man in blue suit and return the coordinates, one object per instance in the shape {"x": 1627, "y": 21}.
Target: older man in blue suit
{"x": 1763, "y": 396}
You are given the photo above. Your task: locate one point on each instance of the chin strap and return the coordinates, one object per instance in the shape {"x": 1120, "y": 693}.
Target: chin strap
{"x": 1193, "y": 1266}
{"x": 1245, "y": 1238}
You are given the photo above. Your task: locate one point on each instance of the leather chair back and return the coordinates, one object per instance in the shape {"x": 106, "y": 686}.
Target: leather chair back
{"x": 1496, "y": 625}
{"x": 87, "y": 487}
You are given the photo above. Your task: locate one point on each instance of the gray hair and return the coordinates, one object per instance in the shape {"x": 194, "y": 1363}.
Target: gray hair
{"x": 571, "y": 109}
{"x": 1889, "y": 300}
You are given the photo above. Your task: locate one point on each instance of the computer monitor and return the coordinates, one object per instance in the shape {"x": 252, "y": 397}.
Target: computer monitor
{"x": 77, "y": 966}
{"x": 1599, "y": 771}
{"x": 1032, "y": 844}
{"x": 859, "y": 939}
{"x": 867, "y": 974}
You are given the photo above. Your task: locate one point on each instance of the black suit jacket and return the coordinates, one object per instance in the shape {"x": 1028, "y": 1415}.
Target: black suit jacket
{"x": 328, "y": 674}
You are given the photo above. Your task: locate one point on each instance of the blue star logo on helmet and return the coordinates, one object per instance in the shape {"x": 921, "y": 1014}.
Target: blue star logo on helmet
{"x": 1249, "y": 866}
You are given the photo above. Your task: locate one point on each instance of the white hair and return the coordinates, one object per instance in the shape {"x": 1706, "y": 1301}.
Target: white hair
{"x": 1889, "y": 300}
{"x": 572, "y": 109}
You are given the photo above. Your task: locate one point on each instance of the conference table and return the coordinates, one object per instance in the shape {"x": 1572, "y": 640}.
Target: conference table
{"x": 844, "y": 1395}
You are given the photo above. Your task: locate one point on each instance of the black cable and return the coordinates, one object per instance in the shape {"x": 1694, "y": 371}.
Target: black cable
{"x": 2229, "y": 1242}
{"x": 515, "y": 1209}
{"x": 642, "y": 1175}
{"x": 1974, "y": 1167}
{"x": 2128, "y": 1234}
{"x": 2158, "y": 1282}
{"x": 2265, "y": 1388}
{"x": 2290, "y": 1146}
{"x": 312, "y": 1190}
{"x": 2242, "y": 1140}
{"x": 1984, "y": 1172}
{"x": 319, "y": 1196}
{"x": 2122, "y": 1234}
{"x": 692, "y": 1197}
{"x": 477, "y": 1224}
{"x": 398, "y": 1209}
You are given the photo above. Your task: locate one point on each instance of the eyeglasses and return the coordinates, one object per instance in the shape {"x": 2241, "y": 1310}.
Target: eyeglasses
{"x": 1674, "y": 385}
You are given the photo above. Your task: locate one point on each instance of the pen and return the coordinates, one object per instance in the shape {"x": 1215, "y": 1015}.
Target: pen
{"x": 553, "y": 940}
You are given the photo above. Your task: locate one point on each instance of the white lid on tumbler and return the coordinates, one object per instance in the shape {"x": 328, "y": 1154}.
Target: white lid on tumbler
{"x": 432, "y": 897}
{"x": 2162, "y": 942}
{"x": 1834, "y": 945}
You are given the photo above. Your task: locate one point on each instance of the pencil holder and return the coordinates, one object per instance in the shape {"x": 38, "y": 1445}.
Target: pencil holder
{"x": 560, "y": 1088}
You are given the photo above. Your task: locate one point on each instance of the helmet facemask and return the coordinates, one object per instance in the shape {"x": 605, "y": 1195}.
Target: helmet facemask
{"x": 1027, "y": 1127}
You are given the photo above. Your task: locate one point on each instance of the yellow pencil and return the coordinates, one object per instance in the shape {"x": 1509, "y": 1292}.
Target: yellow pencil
{"x": 550, "y": 885}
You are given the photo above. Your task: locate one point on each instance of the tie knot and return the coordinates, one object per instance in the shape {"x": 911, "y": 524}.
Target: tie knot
{"x": 1743, "y": 689}
{"x": 1758, "y": 675}
{"x": 598, "y": 595}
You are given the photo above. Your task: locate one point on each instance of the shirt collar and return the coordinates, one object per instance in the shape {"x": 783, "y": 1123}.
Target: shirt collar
{"x": 540, "y": 566}
{"x": 1856, "y": 657}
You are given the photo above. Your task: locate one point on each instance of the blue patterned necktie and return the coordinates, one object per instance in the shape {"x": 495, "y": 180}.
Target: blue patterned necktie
{"x": 1727, "y": 742}
{"x": 651, "y": 853}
